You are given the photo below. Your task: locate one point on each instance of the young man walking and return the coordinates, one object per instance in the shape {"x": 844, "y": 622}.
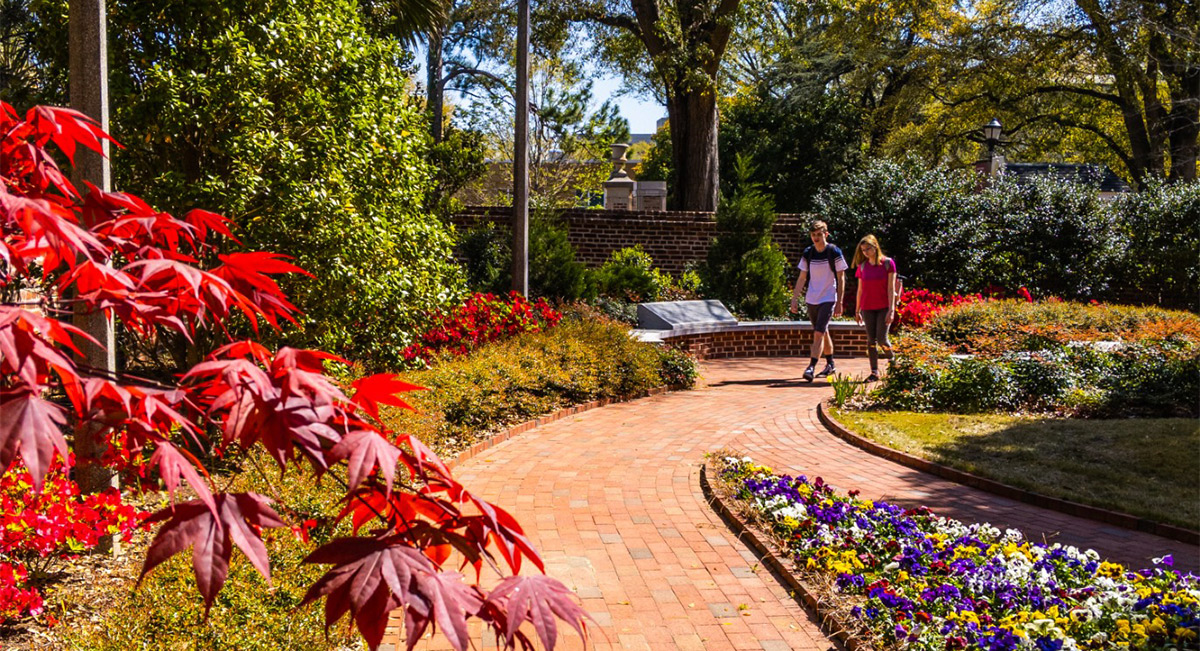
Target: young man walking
{"x": 823, "y": 268}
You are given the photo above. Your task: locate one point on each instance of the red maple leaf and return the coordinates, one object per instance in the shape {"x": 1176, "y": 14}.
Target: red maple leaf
{"x": 539, "y": 600}
{"x": 373, "y": 576}
{"x": 364, "y": 450}
{"x": 382, "y": 389}
{"x": 211, "y": 535}
{"x": 30, "y": 427}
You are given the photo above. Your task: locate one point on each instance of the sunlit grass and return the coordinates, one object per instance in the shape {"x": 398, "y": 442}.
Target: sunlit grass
{"x": 1145, "y": 467}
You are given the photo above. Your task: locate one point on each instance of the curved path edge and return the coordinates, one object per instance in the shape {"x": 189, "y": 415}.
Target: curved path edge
{"x": 1069, "y": 507}
{"x": 771, "y": 556}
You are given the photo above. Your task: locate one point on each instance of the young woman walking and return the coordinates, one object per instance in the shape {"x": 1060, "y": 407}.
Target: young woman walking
{"x": 876, "y": 298}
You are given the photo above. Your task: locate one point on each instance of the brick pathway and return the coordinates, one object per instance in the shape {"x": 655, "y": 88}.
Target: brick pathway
{"x": 611, "y": 498}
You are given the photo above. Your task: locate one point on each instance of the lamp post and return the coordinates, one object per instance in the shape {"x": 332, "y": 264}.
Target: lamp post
{"x": 520, "y": 208}
{"x": 991, "y": 136}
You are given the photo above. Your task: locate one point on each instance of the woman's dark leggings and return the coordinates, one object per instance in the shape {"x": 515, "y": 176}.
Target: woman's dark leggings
{"x": 877, "y": 333}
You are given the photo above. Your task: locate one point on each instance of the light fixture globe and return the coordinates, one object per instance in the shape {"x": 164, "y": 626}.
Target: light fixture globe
{"x": 991, "y": 131}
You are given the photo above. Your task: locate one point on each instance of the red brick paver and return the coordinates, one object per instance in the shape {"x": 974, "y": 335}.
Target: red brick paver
{"x": 612, "y": 500}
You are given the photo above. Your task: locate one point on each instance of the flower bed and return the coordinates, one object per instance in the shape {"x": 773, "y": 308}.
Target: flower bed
{"x": 40, "y": 528}
{"x": 1072, "y": 358}
{"x": 906, "y": 578}
{"x": 481, "y": 319}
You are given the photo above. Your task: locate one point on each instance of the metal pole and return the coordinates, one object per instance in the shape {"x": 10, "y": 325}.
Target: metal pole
{"x": 88, "y": 88}
{"x": 520, "y": 208}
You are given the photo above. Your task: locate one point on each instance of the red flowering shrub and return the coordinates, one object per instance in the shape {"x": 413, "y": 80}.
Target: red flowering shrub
{"x": 42, "y": 526}
{"x": 163, "y": 276}
{"x": 16, "y": 598}
{"x": 917, "y": 306}
{"x": 481, "y": 319}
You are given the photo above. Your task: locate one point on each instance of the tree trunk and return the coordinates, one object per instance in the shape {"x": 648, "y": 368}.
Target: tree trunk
{"x": 434, "y": 91}
{"x": 1183, "y": 121}
{"x": 693, "y": 116}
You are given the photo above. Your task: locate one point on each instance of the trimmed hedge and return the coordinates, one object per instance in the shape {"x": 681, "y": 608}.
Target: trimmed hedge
{"x": 1086, "y": 360}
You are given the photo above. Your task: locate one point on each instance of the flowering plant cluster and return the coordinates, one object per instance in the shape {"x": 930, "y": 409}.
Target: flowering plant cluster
{"x": 916, "y": 307}
{"x": 915, "y": 580}
{"x": 42, "y": 526}
{"x": 481, "y": 319}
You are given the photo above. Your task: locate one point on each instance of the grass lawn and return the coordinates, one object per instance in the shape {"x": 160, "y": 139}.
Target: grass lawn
{"x": 1146, "y": 467}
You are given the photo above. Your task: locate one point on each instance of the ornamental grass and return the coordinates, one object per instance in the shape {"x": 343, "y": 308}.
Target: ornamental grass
{"x": 909, "y": 579}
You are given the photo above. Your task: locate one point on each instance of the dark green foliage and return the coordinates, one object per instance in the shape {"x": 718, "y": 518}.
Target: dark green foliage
{"x": 487, "y": 252}
{"x": 973, "y": 385}
{"x": 1045, "y": 377}
{"x": 458, "y": 160}
{"x": 1056, "y": 237}
{"x": 798, "y": 144}
{"x": 915, "y": 213}
{"x": 745, "y": 269}
{"x": 553, "y": 270}
{"x": 629, "y": 274}
{"x": 292, "y": 120}
{"x": 1161, "y": 245}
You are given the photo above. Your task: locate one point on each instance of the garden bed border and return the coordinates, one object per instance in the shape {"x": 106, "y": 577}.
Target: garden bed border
{"x": 1004, "y": 490}
{"x": 772, "y": 559}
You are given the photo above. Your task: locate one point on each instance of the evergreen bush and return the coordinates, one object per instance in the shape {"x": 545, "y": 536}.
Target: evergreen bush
{"x": 745, "y": 269}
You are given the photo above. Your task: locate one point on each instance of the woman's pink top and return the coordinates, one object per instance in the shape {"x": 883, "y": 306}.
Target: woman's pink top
{"x": 873, "y": 278}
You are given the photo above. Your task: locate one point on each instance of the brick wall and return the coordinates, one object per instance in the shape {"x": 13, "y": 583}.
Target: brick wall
{"x": 784, "y": 339}
{"x": 673, "y": 239}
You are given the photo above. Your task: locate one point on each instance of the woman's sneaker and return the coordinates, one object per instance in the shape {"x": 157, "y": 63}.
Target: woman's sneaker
{"x": 808, "y": 374}
{"x": 873, "y": 377}
{"x": 827, "y": 371}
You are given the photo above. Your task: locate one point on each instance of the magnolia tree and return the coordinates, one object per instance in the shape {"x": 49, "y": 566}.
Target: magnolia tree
{"x": 159, "y": 274}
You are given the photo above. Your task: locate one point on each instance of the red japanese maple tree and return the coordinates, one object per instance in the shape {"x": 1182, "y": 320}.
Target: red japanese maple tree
{"x": 111, "y": 251}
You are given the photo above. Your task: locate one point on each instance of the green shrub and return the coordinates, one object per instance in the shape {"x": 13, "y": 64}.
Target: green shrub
{"x": 553, "y": 270}
{"x": 677, "y": 368}
{"x": 975, "y": 385}
{"x": 1043, "y": 378}
{"x": 1054, "y": 236}
{"x": 617, "y": 309}
{"x": 745, "y": 269}
{"x": 290, "y": 118}
{"x": 1161, "y": 230}
{"x": 1088, "y": 360}
{"x": 630, "y": 274}
{"x": 585, "y": 357}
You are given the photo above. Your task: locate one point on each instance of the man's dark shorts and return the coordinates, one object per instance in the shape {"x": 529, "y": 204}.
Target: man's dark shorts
{"x": 820, "y": 314}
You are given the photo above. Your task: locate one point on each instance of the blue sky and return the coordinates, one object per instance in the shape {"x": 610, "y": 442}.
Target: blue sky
{"x": 641, "y": 113}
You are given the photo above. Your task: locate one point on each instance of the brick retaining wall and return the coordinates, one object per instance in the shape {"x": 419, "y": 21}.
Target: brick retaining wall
{"x": 768, "y": 339}
{"x": 673, "y": 239}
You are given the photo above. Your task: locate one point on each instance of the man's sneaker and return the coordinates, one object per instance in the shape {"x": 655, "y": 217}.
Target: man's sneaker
{"x": 827, "y": 371}
{"x": 873, "y": 377}
{"x": 808, "y": 374}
